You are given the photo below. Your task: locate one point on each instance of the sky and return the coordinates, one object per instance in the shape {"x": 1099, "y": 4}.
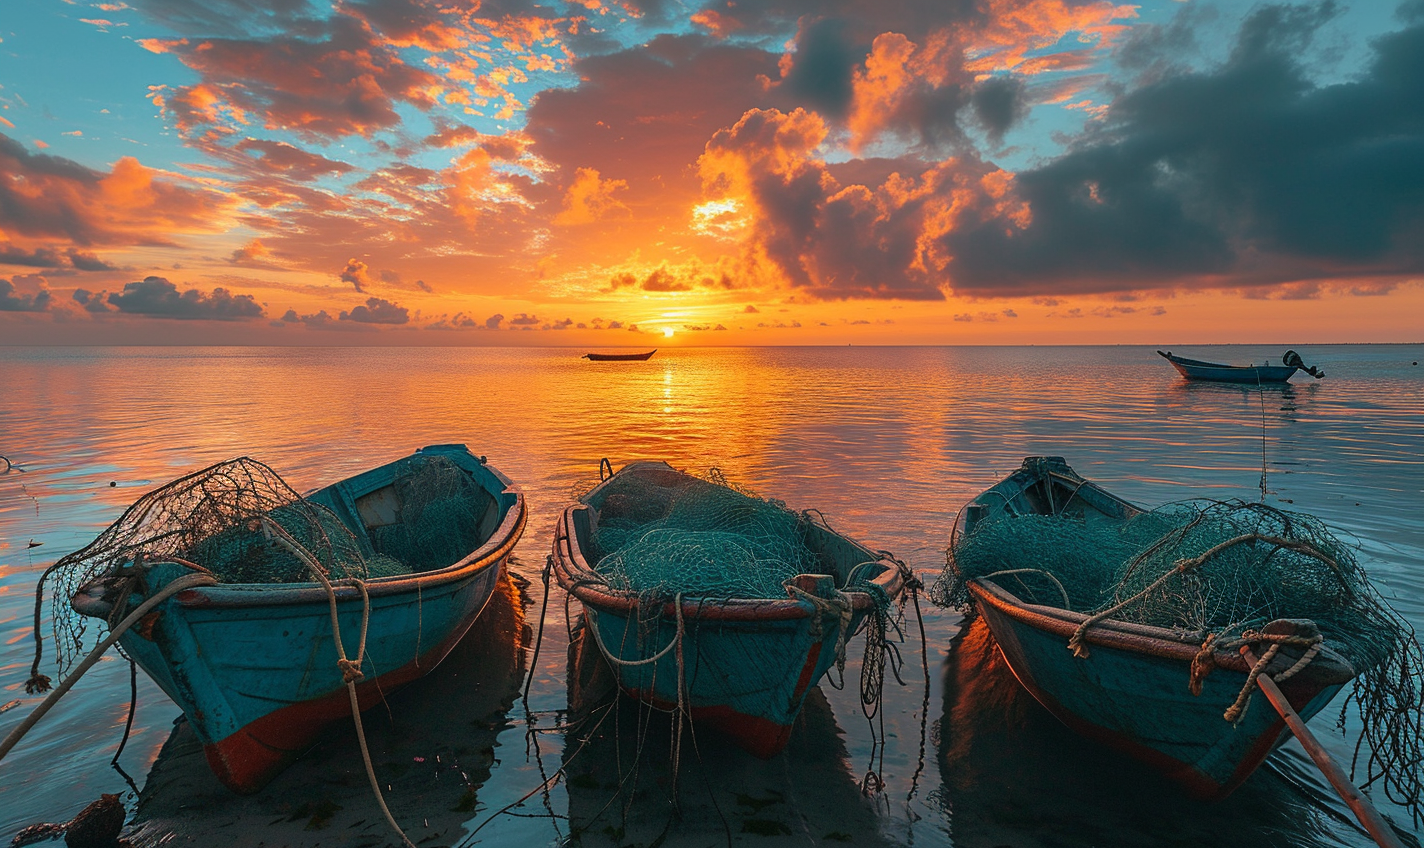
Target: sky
{"x": 637, "y": 173}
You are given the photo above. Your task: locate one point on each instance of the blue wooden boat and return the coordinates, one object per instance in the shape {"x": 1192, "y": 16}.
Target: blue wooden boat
{"x": 254, "y": 665}
{"x": 747, "y": 663}
{"x": 1196, "y": 369}
{"x": 1130, "y": 691}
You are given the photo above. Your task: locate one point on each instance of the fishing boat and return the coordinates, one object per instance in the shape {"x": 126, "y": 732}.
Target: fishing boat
{"x": 1196, "y": 369}
{"x": 620, "y": 357}
{"x": 254, "y": 665}
{"x": 1127, "y": 685}
{"x": 742, "y": 665}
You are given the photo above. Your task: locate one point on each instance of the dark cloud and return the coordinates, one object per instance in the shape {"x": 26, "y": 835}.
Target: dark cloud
{"x": 493, "y": 322}
{"x": 823, "y": 66}
{"x": 377, "y": 311}
{"x": 156, "y": 296}
{"x": 1249, "y": 172}
{"x": 315, "y": 321}
{"x": 751, "y": 310}
{"x": 999, "y": 103}
{"x": 13, "y": 300}
{"x": 40, "y": 257}
{"x": 88, "y": 262}
{"x": 92, "y": 302}
{"x": 523, "y": 320}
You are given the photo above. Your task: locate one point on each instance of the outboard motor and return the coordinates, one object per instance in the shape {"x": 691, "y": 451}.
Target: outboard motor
{"x": 1293, "y": 358}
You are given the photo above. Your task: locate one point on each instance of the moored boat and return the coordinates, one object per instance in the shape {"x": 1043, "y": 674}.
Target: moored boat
{"x": 620, "y": 357}
{"x": 408, "y": 554}
{"x": 1176, "y": 696}
{"x": 1197, "y": 369}
{"x": 740, "y": 663}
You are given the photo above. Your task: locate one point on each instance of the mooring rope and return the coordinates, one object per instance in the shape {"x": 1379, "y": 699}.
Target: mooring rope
{"x": 350, "y": 669}
{"x": 187, "y": 581}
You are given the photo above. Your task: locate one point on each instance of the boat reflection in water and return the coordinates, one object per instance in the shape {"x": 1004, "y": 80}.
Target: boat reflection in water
{"x": 618, "y": 761}
{"x": 1013, "y": 775}
{"x": 433, "y": 748}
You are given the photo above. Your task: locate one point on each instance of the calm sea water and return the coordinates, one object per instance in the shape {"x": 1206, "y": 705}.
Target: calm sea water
{"x": 887, "y": 442}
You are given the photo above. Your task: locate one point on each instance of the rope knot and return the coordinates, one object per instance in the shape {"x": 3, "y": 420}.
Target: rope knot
{"x": 1203, "y": 664}
{"x": 350, "y": 670}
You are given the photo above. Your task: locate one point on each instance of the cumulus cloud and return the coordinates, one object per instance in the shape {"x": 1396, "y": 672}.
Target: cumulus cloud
{"x": 157, "y": 297}
{"x": 523, "y": 320}
{"x": 1247, "y": 171}
{"x": 590, "y": 198}
{"x": 357, "y": 274}
{"x": 92, "y": 302}
{"x": 40, "y": 257}
{"x": 49, "y": 197}
{"x": 314, "y": 321}
{"x": 14, "y": 300}
{"x": 377, "y": 311}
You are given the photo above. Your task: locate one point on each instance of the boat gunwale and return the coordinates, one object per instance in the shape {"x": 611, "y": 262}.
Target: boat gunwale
{"x": 569, "y": 564}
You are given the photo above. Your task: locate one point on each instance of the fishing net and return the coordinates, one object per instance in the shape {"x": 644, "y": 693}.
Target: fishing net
{"x": 670, "y": 534}
{"x": 1219, "y": 568}
{"x": 220, "y": 518}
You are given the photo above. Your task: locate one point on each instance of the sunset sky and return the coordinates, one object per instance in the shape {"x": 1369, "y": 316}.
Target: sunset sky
{"x": 646, "y": 173}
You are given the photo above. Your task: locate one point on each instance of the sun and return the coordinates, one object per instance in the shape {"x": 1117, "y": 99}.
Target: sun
{"x": 667, "y": 332}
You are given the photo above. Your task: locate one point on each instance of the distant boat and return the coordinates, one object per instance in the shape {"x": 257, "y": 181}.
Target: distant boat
{"x": 746, "y": 662}
{"x": 1129, "y": 691}
{"x": 1196, "y": 369}
{"x": 620, "y": 357}
{"x": 253, "y": 664}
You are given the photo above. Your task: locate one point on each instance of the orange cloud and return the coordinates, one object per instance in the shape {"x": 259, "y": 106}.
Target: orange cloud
{"x": 590, "y": 198}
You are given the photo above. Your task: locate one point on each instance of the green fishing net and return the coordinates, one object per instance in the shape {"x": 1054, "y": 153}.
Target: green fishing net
{"x": 438, "y": 521}
{"x": 673, "y": 535}
{"x": 1218, "y": 567}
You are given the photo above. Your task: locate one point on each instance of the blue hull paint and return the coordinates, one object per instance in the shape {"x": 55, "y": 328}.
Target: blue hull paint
{"x": 253, "y": 666}
{"x": 1196, "y": 369}
{"x": 1141, "y": 705}
{"x": 1131, "y": 691}
{"x": 748, "y": 663}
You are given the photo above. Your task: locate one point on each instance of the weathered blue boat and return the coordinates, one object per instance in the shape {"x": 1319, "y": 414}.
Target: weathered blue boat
{"x": 1196, "y": 369}
{"x": 740, "y": 665}
{"x": 1129, "y": 690}
{"x": 254, "y": 665}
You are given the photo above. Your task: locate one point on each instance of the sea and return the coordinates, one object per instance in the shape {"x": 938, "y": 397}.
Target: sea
{"x": 888, "y": 443}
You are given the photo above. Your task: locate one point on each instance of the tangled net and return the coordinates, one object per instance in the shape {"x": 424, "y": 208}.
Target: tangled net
{"x": 1220, "y": 567}
{"x": 698, "y": 538}
{"x": 216, "y": 520}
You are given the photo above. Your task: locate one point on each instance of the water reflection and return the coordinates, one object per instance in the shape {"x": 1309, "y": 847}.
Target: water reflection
{"x": 623, "y": 788}
{"x": 1014, "y": 775}
{"x": 888, "y": 442}
{"x": 433, "y": 745}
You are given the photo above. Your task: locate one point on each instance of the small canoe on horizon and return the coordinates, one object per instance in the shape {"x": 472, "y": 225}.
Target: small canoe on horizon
{"x": 251, "y": 660}
{"x": 742, "y": 664}
{"x": 1160, "y": 694}
{"x": 1196, "y": 369}
{"x": 620, "y": 357}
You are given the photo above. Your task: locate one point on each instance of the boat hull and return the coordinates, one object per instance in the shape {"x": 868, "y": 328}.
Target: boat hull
{"x": 1140, "y": 705}
{"x": 1192, "y": 369}
{"x": 747, "y": 679}
{"x": 747, "y": 664}
{"x": 254, "y": 666}
{"x": 260, "y": 683}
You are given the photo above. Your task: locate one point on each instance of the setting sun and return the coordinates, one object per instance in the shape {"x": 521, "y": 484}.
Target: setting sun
{"x": 667, "y": 332}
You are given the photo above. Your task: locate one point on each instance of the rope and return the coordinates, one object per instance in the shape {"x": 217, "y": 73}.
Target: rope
{"x": 539, "y": 638}
{"x": 839, "y": 607}
{"x": 1182, "y": 566}
{"x": 350, "y": 669}
{"x": 187, "y": 581}
{"x": 608, "y": 655}
{"x": 1205, "y": 662}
